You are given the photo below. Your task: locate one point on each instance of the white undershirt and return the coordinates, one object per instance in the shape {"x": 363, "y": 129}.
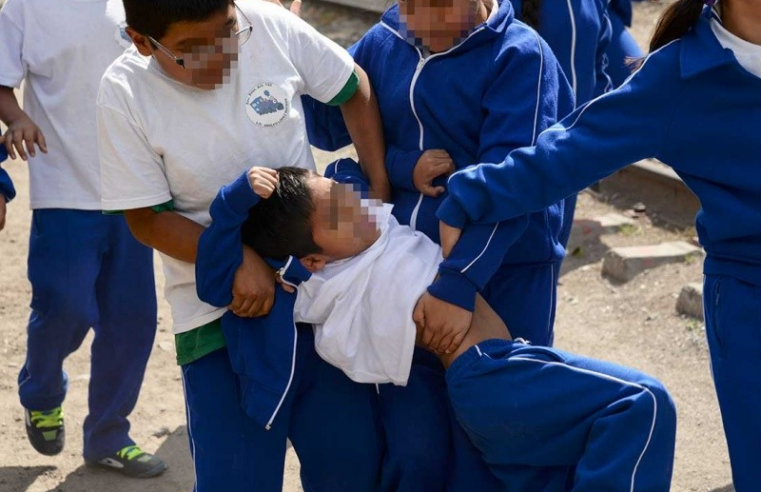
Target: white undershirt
{"x": 161, "y": 140}
{"x": 362, "y": 307}
{"x": 748, "y": 54}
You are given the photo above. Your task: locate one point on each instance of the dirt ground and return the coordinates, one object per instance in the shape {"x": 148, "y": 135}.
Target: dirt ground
{"x": 633, "y": 324}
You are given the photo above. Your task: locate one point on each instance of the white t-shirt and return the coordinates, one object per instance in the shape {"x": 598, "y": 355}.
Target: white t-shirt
{"x": 748, "y": 54}
{"x": 161, "y": 140}
{"x": 61, "y": 48}
{"x": 362, "y": 307}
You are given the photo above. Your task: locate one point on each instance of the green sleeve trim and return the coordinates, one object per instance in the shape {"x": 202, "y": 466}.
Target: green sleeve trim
{"x": 350, "y": 88}
{"x": 163, "y": 207}
{"x": 201, "y": 341}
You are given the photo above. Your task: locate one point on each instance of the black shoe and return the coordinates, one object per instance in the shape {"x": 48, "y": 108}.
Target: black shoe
{"x": 132, "y": 462}
{"x": 45, "y": 430}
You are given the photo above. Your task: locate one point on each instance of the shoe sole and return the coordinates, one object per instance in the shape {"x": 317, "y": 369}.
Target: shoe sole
{"x": 153, "y": 472}
{"x": 42, "y": 451}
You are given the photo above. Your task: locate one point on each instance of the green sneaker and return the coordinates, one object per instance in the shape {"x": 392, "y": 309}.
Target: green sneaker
{"x": 132, "y": 462}
{"x": 45, "y": 430}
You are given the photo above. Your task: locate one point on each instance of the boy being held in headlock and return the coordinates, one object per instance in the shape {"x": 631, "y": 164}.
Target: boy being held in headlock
{"x": 542, "y": 419}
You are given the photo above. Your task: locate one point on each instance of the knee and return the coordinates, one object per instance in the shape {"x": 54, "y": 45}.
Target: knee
{"x": 65, "y": 305}
{"x": 665, "y": 409}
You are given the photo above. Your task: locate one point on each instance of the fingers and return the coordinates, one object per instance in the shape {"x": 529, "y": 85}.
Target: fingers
{"x": 446, "y": 342}
{"x": 29, "y": 139}
{"x": 256, "y": 307}
{"x": 428, "y": 189}
{"x": 286, "y": 287}
{"x": 244, "y": 308}
{"x": 237, "y": 304}
{"x": 15, "y": 144}
{"x": 436, "y": 341}
{"x": 269, "y": 301}
{"x": 296, "y": 8}
{"x": 41, "y": 142}
{"x": 456, "y": 342}
{"x": 268, "y": 171}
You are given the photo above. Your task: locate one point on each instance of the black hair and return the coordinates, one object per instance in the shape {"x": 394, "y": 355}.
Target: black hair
{"x": 676, "y": 21}
{"x": 530, "y": 12}
{"x": 154, "y": 17}
{"x": 281, "y": 225}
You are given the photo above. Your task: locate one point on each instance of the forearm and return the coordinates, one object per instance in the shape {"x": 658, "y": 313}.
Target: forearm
{"x": 363, "y": 122}
{"x": 10, "y": 110}
{"x": 167, "y": 232}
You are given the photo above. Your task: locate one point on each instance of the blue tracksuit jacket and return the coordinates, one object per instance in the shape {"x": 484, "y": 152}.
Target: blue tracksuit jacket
{"x": 578, "y": 33}
{"x": 692, "y": 106}
{"x": 488, "y": 95}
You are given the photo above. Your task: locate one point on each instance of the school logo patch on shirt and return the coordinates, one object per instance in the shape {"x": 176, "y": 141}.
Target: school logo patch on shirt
{"x": 267, "y": 105}
{"x": 122, "y": 37}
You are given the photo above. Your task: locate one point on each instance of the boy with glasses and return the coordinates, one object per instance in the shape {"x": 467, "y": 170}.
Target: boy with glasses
{"x": 85, "y": 268}
{"x": 209, "y": 88}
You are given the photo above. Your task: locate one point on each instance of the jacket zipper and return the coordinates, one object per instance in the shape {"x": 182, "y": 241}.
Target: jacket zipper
{"x": 418, "y": 69}
{"x": 281, "y": 272}
{"x": 290, "y": 379}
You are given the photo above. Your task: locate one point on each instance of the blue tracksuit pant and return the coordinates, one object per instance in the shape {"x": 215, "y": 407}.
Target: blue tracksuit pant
{"x": 733, "y": 327}
{"x": 525, "y": 298}
{"x": 331, "y": 421}
{"x": 87, "y": 271}
{"x": 426, "y": 450}
{"x": 548, "y": 421}
{"x": 416, "y": 424}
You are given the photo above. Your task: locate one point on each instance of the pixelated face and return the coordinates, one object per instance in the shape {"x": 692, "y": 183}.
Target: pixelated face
{"x": 437, "y": 25}
{"x": 208, "y": 50}
{"x": 344, "y": 223}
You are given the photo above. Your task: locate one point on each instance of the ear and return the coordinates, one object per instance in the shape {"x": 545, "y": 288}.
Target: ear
{"x": 313, "y": 263}
{"x": 141, "y": 42}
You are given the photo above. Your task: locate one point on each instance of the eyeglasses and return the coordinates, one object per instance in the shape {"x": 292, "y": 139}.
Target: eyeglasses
{"x": 200, "y": 54}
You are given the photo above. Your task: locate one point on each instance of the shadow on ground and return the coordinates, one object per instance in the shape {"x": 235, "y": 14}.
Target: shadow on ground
{"x": 177, "y": 478}
{"x": 728, "y": 488}
{"x": 19, "y": 478}
{"x": 174, "y": 451}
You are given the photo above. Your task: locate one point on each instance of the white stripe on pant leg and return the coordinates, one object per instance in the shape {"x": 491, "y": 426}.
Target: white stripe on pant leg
{"x": 553, "y": 291}
{"x": 614, "y": 379}
{"x": 190, "y": 431}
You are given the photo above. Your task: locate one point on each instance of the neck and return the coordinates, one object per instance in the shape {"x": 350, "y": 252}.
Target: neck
{"x": 743, "y": 19}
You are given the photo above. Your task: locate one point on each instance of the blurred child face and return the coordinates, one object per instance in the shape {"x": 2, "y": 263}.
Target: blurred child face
{"x": 208, "y": 49}
{"x": 343, "y": 224}
{"x": 438, "y": 25}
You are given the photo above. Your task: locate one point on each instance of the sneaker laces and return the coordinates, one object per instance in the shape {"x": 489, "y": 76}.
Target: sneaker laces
{"x": 47, "y": 419}
{"x": 130, "y": 452}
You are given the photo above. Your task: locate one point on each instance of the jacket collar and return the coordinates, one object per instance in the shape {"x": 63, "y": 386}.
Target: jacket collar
{"x": 701, "y": 51}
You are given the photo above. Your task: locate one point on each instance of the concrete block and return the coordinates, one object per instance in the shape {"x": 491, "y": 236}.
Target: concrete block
{"x": 597, "y": 226}
{"x": 626, "y": 263}
{"x": 690, "y": 301}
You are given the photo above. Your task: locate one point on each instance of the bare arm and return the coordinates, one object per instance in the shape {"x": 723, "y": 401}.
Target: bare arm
{"x": 177, "y": 237}
{"x": 167, "y": 232}
{"x": 363, "y": 121}
{"x": 21, "y": 129}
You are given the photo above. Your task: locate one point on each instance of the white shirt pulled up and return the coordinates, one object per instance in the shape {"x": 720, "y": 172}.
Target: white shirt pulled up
{"x": 362, "y": 307}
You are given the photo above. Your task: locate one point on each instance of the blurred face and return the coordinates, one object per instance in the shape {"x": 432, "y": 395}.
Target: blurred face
{"x": 438, "y": 25}
{"x": 343, "y": 224}
{"x": 207, "y": 50}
